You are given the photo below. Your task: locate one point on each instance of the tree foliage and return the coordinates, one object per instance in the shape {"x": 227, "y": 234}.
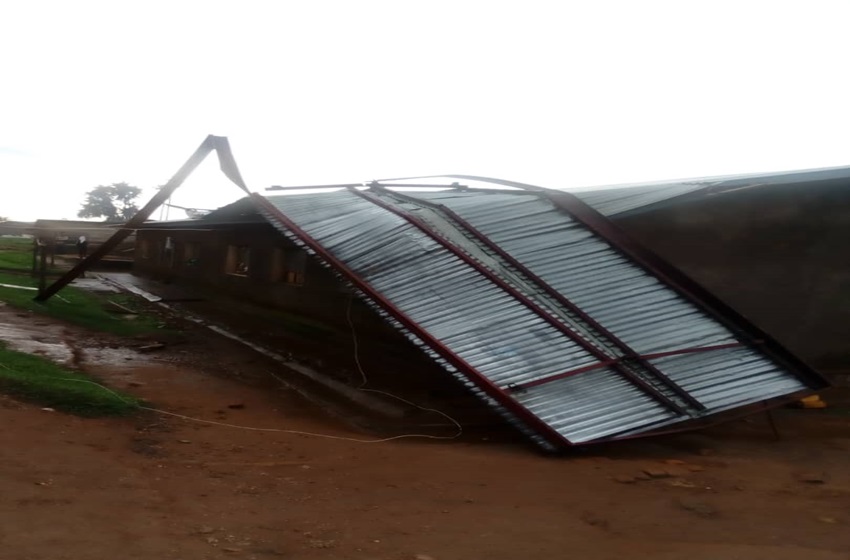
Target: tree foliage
{"x": 114, "y": 202}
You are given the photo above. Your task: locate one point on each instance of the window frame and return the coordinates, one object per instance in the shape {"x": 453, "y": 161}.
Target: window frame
{"x": 233, "y": 260}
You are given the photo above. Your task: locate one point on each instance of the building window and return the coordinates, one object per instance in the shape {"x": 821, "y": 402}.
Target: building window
{"x": 166, "y": 257}
{"x": 289, "y": 266}
{"x": 238, "y": 260}
{"x": 144, "y": 249}
{"x": 191, "y": 253}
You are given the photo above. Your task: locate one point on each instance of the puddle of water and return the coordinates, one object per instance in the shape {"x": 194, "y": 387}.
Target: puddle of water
{"x": 27, "y": 334}
{"x": 95, "y": 284}
{"x": 115, "y": 357}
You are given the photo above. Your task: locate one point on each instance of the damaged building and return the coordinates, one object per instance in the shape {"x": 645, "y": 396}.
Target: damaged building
{"x": 531, "y": 298}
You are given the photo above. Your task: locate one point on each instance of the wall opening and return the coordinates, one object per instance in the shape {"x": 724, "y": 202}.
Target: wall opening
{"x": 289, "y": 266}
{"x": 238, "y": 260}
{"x": 166, "y": 256}
{"x": 191, "y": 254}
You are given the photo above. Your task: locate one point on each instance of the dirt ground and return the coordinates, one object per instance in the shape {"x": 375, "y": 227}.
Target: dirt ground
{"x": 158, "y": 486}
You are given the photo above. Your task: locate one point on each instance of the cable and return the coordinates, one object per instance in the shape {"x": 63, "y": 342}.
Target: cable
{"x": 295, "y": 432}
{"x": 255, "y": 429}
{"x": 366, "y": 380}
{"x": 354, "y": 339}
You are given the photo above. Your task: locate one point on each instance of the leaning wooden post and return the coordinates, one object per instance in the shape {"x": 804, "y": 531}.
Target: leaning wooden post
{"x": 228, "y": 166}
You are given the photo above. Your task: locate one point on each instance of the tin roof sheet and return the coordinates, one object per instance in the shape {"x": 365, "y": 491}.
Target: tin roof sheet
{"x": 482, "y": 281}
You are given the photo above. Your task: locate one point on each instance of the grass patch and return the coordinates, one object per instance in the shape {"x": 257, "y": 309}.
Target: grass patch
{"x": 16, "y": 244}
{"x": 79, "y": 307}
{"x": 36, "y": 379}
{"x": 16, "y": 254}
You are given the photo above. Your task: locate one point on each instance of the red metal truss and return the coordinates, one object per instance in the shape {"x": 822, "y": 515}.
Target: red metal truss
{"x": 491, "y": 389}
{"x": 628, "y": 353}
{"x": 526, "y": 301}
{"x": 748, "y": 333}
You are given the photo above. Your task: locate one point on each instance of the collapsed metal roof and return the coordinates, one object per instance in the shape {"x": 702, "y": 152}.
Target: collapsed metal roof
{"x": 533, "y": 299}
{"x": 543, "y": 308}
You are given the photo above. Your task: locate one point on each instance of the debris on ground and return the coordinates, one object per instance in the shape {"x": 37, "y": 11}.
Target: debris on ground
{"x": 656, "y": 472}
{"x": 811, "y": 477}
{"x": 115, "y": 307}
{"x": 812, "y": 402}
{"x": 694, "y": 506}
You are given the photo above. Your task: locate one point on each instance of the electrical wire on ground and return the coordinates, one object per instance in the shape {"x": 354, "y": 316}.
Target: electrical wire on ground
{"x": 240, "y": 427}
{"x": 365, "y": 379}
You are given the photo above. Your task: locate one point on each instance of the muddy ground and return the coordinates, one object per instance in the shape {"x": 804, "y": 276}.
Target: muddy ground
{"x": 157, "y": 486}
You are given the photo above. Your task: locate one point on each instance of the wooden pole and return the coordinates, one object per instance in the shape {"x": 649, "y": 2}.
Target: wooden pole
{"x": 228, "y": 166}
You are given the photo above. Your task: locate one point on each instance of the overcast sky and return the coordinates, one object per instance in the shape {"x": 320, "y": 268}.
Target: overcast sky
{"x": 561, "y": 94}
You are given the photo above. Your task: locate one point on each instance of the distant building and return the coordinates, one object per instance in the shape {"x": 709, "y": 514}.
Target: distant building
{"x": 16, "y": 228}
{"x": 61, "y": 237}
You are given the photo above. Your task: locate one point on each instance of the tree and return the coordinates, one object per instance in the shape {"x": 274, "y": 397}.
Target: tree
{"x": 114, "y": 202}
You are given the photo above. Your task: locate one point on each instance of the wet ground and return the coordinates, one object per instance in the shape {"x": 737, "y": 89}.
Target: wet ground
{"x": 23, "y": 331}
{"x": 243, "y": 479}
{"x": 377, "y": 382}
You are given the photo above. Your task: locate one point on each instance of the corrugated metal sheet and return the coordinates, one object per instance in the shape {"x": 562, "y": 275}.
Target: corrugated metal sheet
{"x": 640, "y": 310}
{"x": 506, "y": 330}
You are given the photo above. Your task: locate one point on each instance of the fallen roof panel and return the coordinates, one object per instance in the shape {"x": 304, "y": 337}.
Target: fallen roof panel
{"x": 550, "y": 321}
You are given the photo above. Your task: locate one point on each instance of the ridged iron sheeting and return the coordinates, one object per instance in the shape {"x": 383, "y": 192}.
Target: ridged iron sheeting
{"x": 506, "y": 330}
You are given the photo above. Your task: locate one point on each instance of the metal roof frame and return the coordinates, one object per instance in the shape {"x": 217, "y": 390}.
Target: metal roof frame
{"x": 672, "y": 276}
{"x": 741, "y": 332}
{"x": 488, "y": 387}
{"x": 617, "y": 364}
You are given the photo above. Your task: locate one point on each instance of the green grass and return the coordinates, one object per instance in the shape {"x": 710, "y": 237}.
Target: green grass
{"x": 79, "y": 307}
{"x": 16, "y": 253}
{"x": 15, "y": 244}
{"x": 36, "y": 379}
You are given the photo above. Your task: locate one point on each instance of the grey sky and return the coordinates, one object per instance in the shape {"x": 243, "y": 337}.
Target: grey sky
{"x": 554, "y": 93}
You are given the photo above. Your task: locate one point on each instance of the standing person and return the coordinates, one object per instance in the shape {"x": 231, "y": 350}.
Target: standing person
{"x": 83, "y": 246}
